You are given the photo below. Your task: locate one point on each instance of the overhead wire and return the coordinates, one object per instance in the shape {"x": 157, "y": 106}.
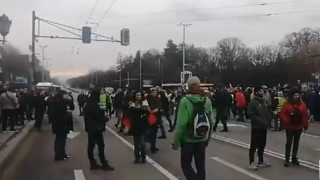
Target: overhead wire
{"x": 225, "y": 18}
{"x": 203, "y": 9}
{"x": 105, "y": 14}
{"x": 92, "y": 11}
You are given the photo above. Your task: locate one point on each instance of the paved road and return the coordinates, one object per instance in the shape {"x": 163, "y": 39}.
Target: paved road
{"x": 225, "y": 161}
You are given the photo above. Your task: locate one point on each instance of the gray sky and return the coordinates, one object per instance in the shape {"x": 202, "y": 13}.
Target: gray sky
{"x": 152, "y": 23}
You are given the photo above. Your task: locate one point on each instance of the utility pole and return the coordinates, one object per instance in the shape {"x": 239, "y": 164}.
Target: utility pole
{"x": 33, "y": 53}
{"x": 43, "y": 69}
{"x": 140, "y": 79}
{"x": 184, "y": 50}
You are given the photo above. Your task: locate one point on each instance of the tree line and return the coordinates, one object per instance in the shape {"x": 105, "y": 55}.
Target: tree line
{"x": 295, "y": 57}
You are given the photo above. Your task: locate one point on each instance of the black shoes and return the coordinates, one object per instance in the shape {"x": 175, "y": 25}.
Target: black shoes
{"x": 162, "y": 137}
{"x": 137, "y": 161}
{"x": 95, "y": 167}
{"x": 154, "y": 150}
{"x": 295, "y": 162}
{"x": 107, "y": 167}
{"x": 143, "y": 161}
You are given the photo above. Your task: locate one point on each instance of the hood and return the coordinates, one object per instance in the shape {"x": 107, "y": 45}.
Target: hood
{"x": 195, "y": 98}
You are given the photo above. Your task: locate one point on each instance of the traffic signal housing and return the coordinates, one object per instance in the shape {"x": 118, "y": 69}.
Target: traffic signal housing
{"x": 86, "y": 34}
{"x": 125, "y": 37}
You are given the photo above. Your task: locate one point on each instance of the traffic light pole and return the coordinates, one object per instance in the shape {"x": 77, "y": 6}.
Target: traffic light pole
{"x": 68, "y": 29}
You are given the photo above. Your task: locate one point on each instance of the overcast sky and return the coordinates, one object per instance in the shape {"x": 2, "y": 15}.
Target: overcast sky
{"x": 152, "y": 23}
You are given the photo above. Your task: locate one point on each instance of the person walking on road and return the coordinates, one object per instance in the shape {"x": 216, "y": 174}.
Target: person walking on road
{"x": 295, "y": 117}
{"x": 139, "y": 111}
{"x": 241, "y": 105}
{"x": 166, "y": 107}
{"x": 154, "y": 108}
{"x": 40, "y": 106}
{"x": 60, "y": 123}
{"x": 95, "y": 123}
{"x": 81, "y": 101}
{"x": 259, "y": 115}
{"x": 195, "y": 120}
{"x": 8, "y": 103}
{"x": 223, "y": 101}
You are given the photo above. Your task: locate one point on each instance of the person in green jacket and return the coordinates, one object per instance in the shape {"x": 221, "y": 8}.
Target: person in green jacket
{"x": 192, "y": 145}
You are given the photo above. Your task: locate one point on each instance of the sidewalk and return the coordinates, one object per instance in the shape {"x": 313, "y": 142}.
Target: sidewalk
{"x": 9, "y": 141}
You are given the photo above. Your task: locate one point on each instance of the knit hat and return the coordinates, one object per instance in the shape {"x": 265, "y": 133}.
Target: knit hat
{"x": 257, "y": 88}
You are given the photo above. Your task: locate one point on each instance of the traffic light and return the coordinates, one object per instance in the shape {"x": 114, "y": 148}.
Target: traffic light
{"x": 125, "y": 37}
{"x": 86, "y": 34}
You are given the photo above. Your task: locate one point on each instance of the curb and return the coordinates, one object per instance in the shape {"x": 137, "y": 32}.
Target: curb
{"x": 8, "y": 149}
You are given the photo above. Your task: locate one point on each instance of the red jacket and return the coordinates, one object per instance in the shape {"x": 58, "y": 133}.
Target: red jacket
{"x": 286, "y": 111}
{"x": 241, "y": 100}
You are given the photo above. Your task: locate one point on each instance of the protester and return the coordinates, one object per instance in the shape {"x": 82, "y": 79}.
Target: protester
{"x": 139, "y": 111}
{"x": 8, "y": 103}
{"x": 165, "y": 102}
{"x": 118, "y": 106}
{"x": 177, "y": 101}
{"x": 194, "y": 130}
{"x": 154, "y": 108}
{"x": 81, "y": 101}
{"x": 241, "y": 105}
{"x": 295, "y": 117}
{"x": 280, "y": 102}
{"x": 223, "y": 101}
{"x": 60, "y": 124}
{"x": 95, "y": 123}
{"x": 259, "y": 114}
{"x": 40, "y": 106}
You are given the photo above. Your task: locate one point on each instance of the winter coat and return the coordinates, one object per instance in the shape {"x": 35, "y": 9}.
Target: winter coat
{"x": 285, "y": 116}
{"x": 119, "y": 100}
{"x": 81, "y": 99}
{"x": 258, "y": 114}
{"x": 94, "y": 118}
{"x": 223, "y": 99}
{"x": 8, "y": 100}
{"x": 139, "y": 121}
{"x": 185, "y": 115}
{"x": 241, "y": 100}
{"x": 60, "y": 115}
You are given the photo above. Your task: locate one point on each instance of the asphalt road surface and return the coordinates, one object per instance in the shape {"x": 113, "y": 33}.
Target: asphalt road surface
{"x": 227, "y": 157}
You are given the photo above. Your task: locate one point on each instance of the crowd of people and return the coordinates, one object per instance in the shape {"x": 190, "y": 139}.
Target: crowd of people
{"x": 140, "y": 114}
{"x": 196, "y": 114}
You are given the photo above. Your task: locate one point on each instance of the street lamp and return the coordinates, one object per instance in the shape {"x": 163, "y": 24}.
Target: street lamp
{"x": 5, "y": 24}
{"x": 184, "y": 50}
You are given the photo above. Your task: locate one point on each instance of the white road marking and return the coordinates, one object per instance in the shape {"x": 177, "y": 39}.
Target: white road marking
{"x": 78, "y": 174}
{"x": 239, "y": 169}
{"x": 234, "y": 125}
{"x": 309, "y": 135}
{"x": 72, "y": 134}
{"x": 304, "y": 163}
{"x": 151, "y": 161}
{"x": 318, "y": 150}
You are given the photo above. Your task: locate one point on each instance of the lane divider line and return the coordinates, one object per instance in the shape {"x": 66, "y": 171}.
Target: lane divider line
{"x": 151, "y": 161}
{"x": 78, "y": 174}
{"x": 239, "y": 169}
{"x": 268, "y": 152}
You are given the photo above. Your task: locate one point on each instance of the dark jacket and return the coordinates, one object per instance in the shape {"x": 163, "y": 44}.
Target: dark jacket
{"x": 139, "y": 121}
{"x": 94, "y": 119}
{"x": 81, "y": 99}
{"x": 60, "y": 115}
{"x": 119, "y": 100}
{"x": 223, "y": 99}
{"x": 40, "y": 104}
{"x": 258, "y": 113}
